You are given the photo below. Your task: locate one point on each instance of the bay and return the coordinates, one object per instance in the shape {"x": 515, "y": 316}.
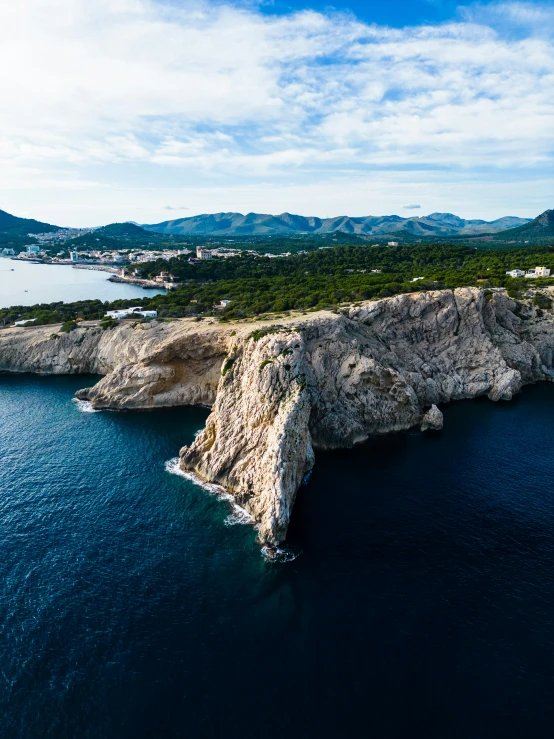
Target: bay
{"x": 30, "y": 284}
{"x": 420, "y": 602}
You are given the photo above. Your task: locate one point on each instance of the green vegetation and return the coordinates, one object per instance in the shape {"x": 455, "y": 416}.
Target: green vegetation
{"x": 68, "y": 326}
{"x": 538, "y": 231}
{"x": 542, "y": 301}
{"x": 260, "y": 333}
{"x": 23, "y": 226}
{"x": 320, "y": 279}
{"x": 108, "y": 323}
{"x": 227, "y": 366}
{"x": 122, "y": 236}
{"x": 14, "y": 231}
{"x": 265, "y": 363}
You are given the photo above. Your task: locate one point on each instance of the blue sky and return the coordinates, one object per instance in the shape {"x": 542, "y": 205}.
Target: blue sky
{"x": 148, "y": 110}
{"x": 396, "y": 13}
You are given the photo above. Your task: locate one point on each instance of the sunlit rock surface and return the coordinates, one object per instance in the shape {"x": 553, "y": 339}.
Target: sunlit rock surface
{"x": 322, "y": 380}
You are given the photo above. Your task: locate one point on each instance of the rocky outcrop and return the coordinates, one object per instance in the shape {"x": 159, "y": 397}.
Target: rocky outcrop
{"x": 148, "y": 365}
{"x": 257, "y": 442}
{"x": 432, "y": 420}
{"x": 324, "y": 380}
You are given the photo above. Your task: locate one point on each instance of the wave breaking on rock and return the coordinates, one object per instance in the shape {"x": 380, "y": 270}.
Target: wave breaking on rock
{"x": 277, "y": 391}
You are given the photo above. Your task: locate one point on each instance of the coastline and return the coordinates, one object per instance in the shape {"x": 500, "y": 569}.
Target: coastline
{"x": 96, "y": 268}
{"x": 30, "y": 283}
{"x": 146, "y": 284}
{"x": 324, "y": 380}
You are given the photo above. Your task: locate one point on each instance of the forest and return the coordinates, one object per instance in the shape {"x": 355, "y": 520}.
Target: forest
{"x": 320, "y": 279}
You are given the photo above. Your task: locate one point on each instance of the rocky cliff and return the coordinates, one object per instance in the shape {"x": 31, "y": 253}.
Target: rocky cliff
{"x": 324, "y": 380}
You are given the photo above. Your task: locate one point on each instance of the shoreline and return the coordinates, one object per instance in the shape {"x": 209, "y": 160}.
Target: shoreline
{"x": 27, "y": 283}
{"x": 96, "y": 268}
{"x": 320, "y": 381}
{"x": 145, "y": 284}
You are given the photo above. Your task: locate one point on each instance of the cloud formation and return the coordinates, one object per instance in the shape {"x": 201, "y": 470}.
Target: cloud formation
{"x": 130, "y": 93}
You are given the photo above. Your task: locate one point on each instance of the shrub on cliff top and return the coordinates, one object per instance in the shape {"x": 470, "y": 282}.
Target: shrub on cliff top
{"x": 542, "y": 301}
{"x": 108, "y": 323}
{"x": 261, "y": 332}
{"x": 68, "y": 326}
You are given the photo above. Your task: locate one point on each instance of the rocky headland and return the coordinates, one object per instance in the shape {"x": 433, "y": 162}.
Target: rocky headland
{"x": 324, "y": 380}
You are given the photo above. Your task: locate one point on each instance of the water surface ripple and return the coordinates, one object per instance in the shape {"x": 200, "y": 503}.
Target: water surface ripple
{"x": 421, "y": 603}
{"x": 28, "y": 283}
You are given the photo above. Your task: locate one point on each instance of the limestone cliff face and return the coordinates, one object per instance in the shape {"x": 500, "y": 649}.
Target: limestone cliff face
{"x": 145, "y": 365}
{"x": 324, "y": 380}
{"x": 256, "y": 442}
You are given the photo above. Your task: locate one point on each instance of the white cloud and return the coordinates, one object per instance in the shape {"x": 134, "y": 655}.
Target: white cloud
{"x": 120, "y": 94}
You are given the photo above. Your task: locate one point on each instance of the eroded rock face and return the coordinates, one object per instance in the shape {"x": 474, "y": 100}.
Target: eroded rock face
{"x": 432, "y": 420}
{"x": 257, "y": 442}
{"x": 145, "y": 365}
{"x": 325, "y": 380}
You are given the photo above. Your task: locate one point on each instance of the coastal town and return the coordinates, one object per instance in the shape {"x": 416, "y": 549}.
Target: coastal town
{"x": 118, "y": 257}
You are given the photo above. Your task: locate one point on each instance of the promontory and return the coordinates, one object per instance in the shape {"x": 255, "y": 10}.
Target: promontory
{"x": 278, "y": 390}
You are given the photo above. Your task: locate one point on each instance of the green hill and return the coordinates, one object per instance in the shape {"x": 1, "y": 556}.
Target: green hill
{"x": 123, "y": 231}
{"x": 22, "y": 226}
{"x": 122, "y": 236}
{"x": 538, "y": 231}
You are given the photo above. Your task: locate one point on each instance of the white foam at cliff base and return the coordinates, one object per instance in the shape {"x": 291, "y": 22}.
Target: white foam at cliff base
{"x": 275, "y": 554}
{"x": 238, "y": 516}
{"x": 85, "y": 406}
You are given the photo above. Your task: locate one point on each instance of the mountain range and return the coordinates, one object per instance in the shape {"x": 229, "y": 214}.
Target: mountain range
{"x": 434, "y": 226}
{"x": 257, "y": 224}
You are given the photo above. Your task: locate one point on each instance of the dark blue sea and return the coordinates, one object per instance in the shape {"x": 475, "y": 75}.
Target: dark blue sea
{"x": 421, "y": 602}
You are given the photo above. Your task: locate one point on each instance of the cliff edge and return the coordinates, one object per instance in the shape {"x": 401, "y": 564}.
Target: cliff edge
{"x": 323, "y": 380}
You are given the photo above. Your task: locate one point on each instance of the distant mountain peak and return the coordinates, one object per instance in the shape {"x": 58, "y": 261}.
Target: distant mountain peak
{"x": 263, "y": 224}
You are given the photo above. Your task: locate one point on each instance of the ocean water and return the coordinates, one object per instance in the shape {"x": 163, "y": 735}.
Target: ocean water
{"x": 420, "y": 602}
{"x": 29, "y": 284}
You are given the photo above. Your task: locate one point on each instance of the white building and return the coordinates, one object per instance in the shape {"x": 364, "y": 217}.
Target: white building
{"x": 533, "y": 274}
{"x": 203, "y": 253}
{"x": 224, "y": 303}
{"x": 516, "y": 273}
{"x": 8, "y": 252}
{"x": 392, "y": 243}
{"x": 33, "y": 249}
{"x": 73, "y": 256}
{"x": 137, "y": 311}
